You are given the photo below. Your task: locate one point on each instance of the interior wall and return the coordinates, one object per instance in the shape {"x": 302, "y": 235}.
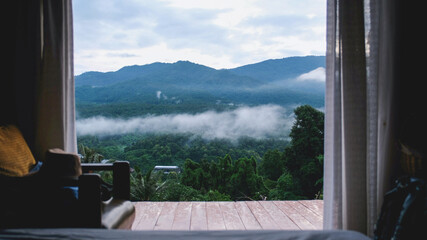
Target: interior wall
{"x": 411, "y": 89}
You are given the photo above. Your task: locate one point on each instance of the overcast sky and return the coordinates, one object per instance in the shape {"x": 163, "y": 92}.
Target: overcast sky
{"x": 110, "y": 34}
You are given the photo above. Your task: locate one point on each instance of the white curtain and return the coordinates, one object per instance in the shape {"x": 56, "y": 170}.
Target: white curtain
{"x": 359, "y": 124}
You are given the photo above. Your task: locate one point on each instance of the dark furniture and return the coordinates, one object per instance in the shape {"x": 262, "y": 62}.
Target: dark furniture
{"x": 117, "y": 211}
{"x": 63, "y": 194}
{"x": 76, "y": 234}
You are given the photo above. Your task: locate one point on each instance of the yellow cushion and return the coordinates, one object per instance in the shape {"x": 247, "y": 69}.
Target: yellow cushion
{"x": 16, "y": 158}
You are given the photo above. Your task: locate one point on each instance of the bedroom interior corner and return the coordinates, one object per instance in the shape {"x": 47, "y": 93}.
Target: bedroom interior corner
{"x": 374, "y": 106}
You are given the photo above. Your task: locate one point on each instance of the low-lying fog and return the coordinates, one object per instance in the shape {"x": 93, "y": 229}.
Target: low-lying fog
{"x": 258, "y": 122}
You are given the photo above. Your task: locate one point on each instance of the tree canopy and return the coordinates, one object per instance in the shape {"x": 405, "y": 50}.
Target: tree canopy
{"x": 219, "y": 170}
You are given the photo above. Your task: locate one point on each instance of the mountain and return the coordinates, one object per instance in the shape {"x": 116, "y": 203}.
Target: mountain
{"x": 175, "y": 85}
{"x": 281, "y": 69}
{"x": 109, "y": 78}
{"x": 176, "y": 74}
{"x": 266, "y": 71}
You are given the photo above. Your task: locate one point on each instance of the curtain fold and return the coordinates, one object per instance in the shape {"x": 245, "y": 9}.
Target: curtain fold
{"x": 360, "y": 153}
{"x": 371, "y": 30}
{"x": 345, "y": 135}
{"x": 55, "y": 90}
{"x": 38, "y": 94}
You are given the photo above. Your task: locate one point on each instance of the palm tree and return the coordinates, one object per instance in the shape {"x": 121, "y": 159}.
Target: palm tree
{"x": 89, "y": 155}
{"x": 145, "y": 187}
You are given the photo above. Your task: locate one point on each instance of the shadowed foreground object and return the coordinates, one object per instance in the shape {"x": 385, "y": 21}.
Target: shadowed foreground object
{"x": 61, "y": 193}
{"x": 77, "y": 234}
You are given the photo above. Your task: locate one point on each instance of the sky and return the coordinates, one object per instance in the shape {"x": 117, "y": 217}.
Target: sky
{"x": 110, "y": 34}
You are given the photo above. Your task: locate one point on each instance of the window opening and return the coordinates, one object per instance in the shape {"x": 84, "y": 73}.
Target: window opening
{"x": 225, "y": 98}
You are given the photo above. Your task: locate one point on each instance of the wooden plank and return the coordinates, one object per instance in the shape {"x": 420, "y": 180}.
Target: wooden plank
{"x": 314, "y": 205}
{"x": 146, "y": 215}
{"x": 262, "y": 216}
{"x": 138, "y": 212}
{"x": 248, "y": 219}
{"x": 198, "y": 216}
{"x": 214, "y": 216}
{"x": 251, "y": 215}
{"x": 294, "y": 215}
{"x": 313, "y": 218}
{"x": 182, "y": 217}
{"x": 167, "y": 215}
{"x": 283, "y": 221}
{"x": 231, "y": 217}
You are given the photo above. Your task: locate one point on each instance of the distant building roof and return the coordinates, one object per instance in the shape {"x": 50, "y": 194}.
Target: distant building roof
{"x": 166, "y": 167}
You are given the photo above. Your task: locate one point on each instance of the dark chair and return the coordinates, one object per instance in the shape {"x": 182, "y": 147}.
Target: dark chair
{"x": 63, "y": 194}
{"x": 115, "y": 212}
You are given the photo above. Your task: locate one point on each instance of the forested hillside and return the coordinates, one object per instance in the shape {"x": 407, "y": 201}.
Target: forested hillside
{"x": 220, "y": 170}
{"x": 162, "y": 88}
{"x": 252, "y": 132}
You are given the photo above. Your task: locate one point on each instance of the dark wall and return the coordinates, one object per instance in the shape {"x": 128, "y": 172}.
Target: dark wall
{"x": 21, "y": 63}
{"x": 411, "y": 73}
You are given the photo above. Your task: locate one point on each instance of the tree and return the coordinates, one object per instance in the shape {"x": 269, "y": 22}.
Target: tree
{"x": 245, "y": 182}
{"x": 89, "y": 155}
{"x": 174, "y": 191}
{"x": 307, "y": 132}
{"x": 143, "y": 187}
{"x": 225, "y": 170}
{"x": 191, "y": 174}
{"x": 162, "y": 154}
{"x": 301, "y": 156}
{"x": 289, "y": 187}
{"x": 272, "y": 165}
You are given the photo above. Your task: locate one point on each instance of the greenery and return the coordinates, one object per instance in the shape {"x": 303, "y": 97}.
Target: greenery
{"x": 221, "y": 170}
{"x": 185, "y": 87}
{"x": 136, "y": 109}
{"x": 198, "y": 75}
{"x": 147, "y": 151}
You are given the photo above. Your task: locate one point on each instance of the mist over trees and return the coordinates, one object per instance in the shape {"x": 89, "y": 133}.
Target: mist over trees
{"x": 294, "y": 173}
{"x": 219, "y": 170}
{"x": 235, "y": 133}
{"x": 260, "y": 122}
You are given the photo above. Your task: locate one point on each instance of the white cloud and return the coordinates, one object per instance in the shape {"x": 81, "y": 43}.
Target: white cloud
{"x": 110, "y": 34}
{"x": 257, "y": 122}
{"x": 317, "y": 75}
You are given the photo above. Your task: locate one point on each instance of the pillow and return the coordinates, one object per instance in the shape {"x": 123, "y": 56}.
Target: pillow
{"x": 16, "y": 158}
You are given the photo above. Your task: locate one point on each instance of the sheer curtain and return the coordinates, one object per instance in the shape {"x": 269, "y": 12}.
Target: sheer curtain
{"x": 38, "y": 92}
{"x": 55, "y": 96}
{"x": 360, "y": 113}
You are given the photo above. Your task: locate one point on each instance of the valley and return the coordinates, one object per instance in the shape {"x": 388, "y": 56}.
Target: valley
{"x": 203, "y": 120}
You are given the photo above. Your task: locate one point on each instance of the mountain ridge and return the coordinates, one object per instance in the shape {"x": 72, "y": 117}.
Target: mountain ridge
{"x": 185, "y": 85}
{"x": 268, "y": 70}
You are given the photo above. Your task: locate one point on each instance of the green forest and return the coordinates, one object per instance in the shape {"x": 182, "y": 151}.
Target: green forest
{"x": 219, "y": 170}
